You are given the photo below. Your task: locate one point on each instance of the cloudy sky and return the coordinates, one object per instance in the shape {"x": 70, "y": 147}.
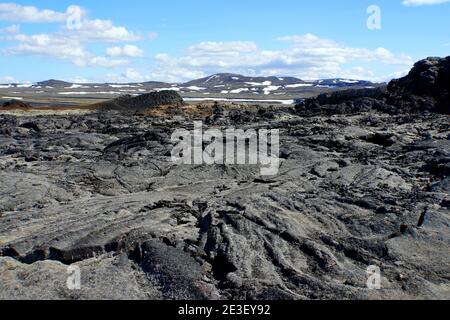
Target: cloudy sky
{"x": 178, "y": 40}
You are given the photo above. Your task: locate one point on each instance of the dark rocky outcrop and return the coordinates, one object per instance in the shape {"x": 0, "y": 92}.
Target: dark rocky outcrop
{"x": 143, "y": 102}
{"x": 345, "y": 102}
{"x": 16, "y": 104}
{"x": 425, "y": 89}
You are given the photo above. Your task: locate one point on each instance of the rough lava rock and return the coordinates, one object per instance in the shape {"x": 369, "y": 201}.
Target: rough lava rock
{"x": 144, "y": 101}
{"x": 99, "y": 191}
{"x": 425, "y": 89}
{"x": 16, "y": 104}
{"x": 429, "y": 79}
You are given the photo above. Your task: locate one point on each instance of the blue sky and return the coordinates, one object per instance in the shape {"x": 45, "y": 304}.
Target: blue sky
{"x": 137, "y": 40}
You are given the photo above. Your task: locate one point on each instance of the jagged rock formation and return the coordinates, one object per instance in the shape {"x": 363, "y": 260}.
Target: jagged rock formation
{"x": 16, "y": 104}
{"x": 425, "y": 89}
{"x": 143, "y": 102}
{"x": 100, "y": 192}
{"x": 346, "y": 102}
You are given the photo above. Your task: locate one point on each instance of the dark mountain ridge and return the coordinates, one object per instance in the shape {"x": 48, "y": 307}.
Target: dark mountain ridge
{"x": 224, "y": 79}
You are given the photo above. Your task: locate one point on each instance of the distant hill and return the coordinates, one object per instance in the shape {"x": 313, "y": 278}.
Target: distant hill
{"x": 54, "y": 83}
{"x": 142, "y": 102}
{"x": 154, "y": 83}
{"x": 226, "y": 80}
{"x": 339, "y": 82}
{"x": 232, "y": 84}
{"x": 217, "y": 86}
{"x": 237, "y": 79}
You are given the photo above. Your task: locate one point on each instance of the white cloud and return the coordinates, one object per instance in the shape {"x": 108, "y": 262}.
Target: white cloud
{"x": 46, "y": 45}
{"x": 176, "y": 74}
{"x": 97, "y": 61}
{"x": 125, "y": 51}
{"x": 306, "y": 56}
{"x": 79, "y": 79}
{"x": 416, "y": 3}
{"x": 131, "y": 75}
{"x": 223, "y": 47}
{"x": 12, "y": 29}
{"x": 70, "y": 41}
{"x": 102, "y": 30}
{"x": 309, "y": 45}
{"x": 60, "y": 48}
{"x": 173, "y": 75}
{"x": 128, "y": 76}
{"x": 86, "y": 29}
{"x": 29, "y": 14}
{"x": 152, "y": 35}
{"x": 394, "y": 75}
{"x": 8, "y": 79}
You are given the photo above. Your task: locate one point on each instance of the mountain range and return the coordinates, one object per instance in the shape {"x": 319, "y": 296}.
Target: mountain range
{"x": 215, "y": 83}
{"x": 218, "y": 87}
